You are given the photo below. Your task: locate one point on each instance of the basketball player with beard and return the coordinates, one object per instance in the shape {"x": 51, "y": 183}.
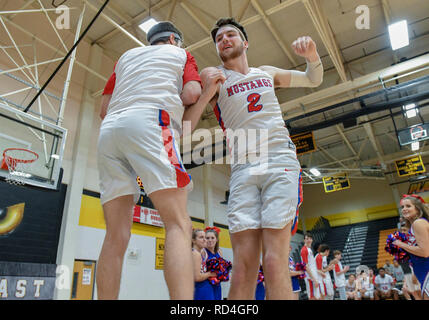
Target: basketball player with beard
{"x": 263, "y": 203}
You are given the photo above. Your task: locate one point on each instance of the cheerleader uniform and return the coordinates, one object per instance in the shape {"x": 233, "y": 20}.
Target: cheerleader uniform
{"x": 420, "y": 265}
{"x": 295, "y": 281}
{"x": 217, "y": 289}
{"x": 260, "y": 288}
{"x": 203, "y": 289}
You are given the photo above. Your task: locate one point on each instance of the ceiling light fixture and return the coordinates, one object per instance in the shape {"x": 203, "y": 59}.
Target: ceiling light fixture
{"x": 398, "y": 33}
{"x": 315, "y": 172}
{"x": 147, "y": 24}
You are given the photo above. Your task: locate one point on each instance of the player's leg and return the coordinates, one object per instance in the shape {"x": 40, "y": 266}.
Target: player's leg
{"x": 118, "y": 192}
{"x": 281, "y": 195}
{"x": 246, "y": 248}
{"x": 275, "y": 248}
{"x": 342, "y": 293}
{"x": 178, "y": 269}
{"x": 118, "y": 217}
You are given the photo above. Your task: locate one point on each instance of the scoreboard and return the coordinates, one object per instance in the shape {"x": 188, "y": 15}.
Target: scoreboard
{"x": 410, "y": 166}
{"x": 336, "y": 183}
{"x": 304, "y": 142}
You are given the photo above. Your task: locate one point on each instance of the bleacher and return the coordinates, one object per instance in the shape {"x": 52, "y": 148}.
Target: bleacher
{"x": 337, "y": 237}
{"x": 382, "y": 255}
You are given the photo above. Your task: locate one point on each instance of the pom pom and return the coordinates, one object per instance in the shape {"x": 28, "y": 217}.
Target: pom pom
{"x": 219, "y": 266}
{"x": 301, "y": 267}
{"x": 398, "y": 254}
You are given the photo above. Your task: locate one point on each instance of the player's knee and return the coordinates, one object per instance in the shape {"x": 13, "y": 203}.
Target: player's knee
{"x": 272, "y": 262}
{"x": 118, "y": 239}
{"x": 178, "y": 222}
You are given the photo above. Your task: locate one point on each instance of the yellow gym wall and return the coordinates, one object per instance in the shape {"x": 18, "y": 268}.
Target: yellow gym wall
{"x": 91, "y": 215}
{"x": 366, "y": 200}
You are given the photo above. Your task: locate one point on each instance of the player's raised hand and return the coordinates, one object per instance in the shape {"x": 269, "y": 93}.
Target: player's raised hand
{"x": 304, "y": 47}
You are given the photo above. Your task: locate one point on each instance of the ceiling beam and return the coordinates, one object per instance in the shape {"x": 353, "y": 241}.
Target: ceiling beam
{"x": 191, "y": 11}
{"x": 248, "y": 21}
{"x": 274, "y": 31}
{"x": 340, "y": 131}
{"x": 387, "y": 12}
{"x": 243, "y": 10}
{"x": 323, "y": 98}
{"x": 324, "y": 30}
{"x": 326, "y": 153}
{"x": 134, "y": 20}
{"x": 171, "y": 10}
{"x": 114, "y": 23}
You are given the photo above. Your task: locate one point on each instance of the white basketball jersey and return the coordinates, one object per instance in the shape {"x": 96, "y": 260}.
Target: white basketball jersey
{"x": 340, "y": 280}
{"x": 249, "y": 102}
{"x": 150, "y": 77}
{"x": 325, "y": 265}
{"x": 311, "y": 262}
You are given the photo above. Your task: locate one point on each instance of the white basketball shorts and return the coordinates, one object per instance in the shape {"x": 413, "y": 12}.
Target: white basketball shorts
{"x": 138, "y": 142}
{"x": 265, "y": 198}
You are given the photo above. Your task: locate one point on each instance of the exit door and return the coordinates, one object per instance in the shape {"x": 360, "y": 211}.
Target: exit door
{"x": 83, "y": 280}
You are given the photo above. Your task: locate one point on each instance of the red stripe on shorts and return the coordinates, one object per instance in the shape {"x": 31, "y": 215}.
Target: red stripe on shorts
{"x": 182, "y": 177}
{"x": 310, "y": 284}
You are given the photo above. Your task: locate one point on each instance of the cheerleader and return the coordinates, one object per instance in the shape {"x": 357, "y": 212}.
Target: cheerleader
{"x": 212, "y": 250}
{"x": 203, "y": 288}
{"x": 260, "y": 287}
{"x": 296, "y": 288}
{"x": 416, "y": 214}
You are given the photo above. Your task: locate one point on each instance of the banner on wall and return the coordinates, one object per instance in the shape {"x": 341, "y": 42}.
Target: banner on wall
{"x": 144, "y": 210}
{"x": 304, "y": 142}
{"x": 159, "y": 254}
{"x": 336, "y": 183}
{"x": 418, "y": 187}
{"x": 410, "y": 166}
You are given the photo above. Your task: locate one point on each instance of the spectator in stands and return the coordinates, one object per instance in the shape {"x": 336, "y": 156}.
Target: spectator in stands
{"x": 312, "y": 278}
{"x": 388, "y": 267}
{"x": 398, "y": 276}
{"x": 365, "y": 287}
{"x": 371, "y": 275}
{"x": 411, "y": 286}
{"x": 340, "y": 275}
{"x": 351, "y": 288}
{"x": 384, "y": 286}
{"x": 416, "y": 214}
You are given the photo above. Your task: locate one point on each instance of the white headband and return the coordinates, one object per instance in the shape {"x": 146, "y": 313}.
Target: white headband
{"x": 232, "y": 26}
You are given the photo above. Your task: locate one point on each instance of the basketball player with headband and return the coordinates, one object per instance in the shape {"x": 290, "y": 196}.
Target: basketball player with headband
{"x": 265, "y": 192}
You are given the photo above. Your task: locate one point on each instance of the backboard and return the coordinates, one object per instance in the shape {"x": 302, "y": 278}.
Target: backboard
{"x": 22, "y": 130}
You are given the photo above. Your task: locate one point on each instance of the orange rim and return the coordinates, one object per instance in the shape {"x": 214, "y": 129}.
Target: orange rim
{"x": 16, "y": 160}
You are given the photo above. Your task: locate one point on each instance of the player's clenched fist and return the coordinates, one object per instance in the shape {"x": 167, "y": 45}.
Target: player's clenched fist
{"x": 304, "y": 47}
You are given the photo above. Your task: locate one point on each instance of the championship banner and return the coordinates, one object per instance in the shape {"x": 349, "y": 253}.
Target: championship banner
{"x": 159, "y": 254}
{"x": 336, "y": 183}
{"x": 144, "y": 211}
{"x": 410, "y": 166}
{"x": 304, "y": 142}
{"x": 418, "y": 187}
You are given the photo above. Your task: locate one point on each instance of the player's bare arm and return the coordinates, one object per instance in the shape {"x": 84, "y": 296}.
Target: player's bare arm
{"x": 190, "y": 93}
{"x": 313, "y": 76}
{"x": 211, "y": 80}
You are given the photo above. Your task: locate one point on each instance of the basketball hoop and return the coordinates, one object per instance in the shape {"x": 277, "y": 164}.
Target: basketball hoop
{"x": 18, "y": 162}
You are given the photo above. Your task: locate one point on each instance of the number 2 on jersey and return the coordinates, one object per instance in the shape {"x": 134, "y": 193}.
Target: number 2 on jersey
{"x": 253, "y": 99}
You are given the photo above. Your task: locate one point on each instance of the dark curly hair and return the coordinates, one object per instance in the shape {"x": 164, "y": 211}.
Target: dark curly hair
{"x": 225, "y": 21}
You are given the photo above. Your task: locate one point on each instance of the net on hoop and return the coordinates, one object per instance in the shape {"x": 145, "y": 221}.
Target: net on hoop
{"x": 18, "y": 162}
